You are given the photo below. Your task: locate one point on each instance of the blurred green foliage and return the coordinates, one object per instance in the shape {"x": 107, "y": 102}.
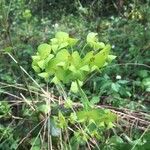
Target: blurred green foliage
{"x": 125, "y": 83}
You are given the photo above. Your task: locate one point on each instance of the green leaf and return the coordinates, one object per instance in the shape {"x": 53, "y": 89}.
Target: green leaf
{"x": 63, "y": 55}
{"x": 100, "y": 57}
{"x": 102, "y": 124}
{"x": 115, "y": 87}
{"x": 62, "y": 75}
{"x": 88, "y": 57}
{"x": 100, "y": 45}
{"x": 143, "y": 73}
{"x": 61, "y": 41}
{"x": 27, "y": 14}
{"x": 54, "y": 41}
{"x": 36, "y": 59}
{"x": 73, "y": 69}
{"x": 55, "y": 80}
{"x": 91, "y": 38}
{"x": 62, "y": 36}
{"x": 49, "y": 58}
{"x": 61, "y": 64}
{"x": 73, "y": 118}
{"x": 41, "y": 64}
{"x": 68, "y": 103}
{"x": 44, "y": 108}
{"x": 116, "y": 139}
{"x": 110, "y": 125}
{"x": 95, "y": 100}
{"x": 62, "y": 120}
{"x": 148, "y": 89}
{"x": 55, "y": 131}
{"x": 51, "y": 67}
{"x": 98, "y": 116}
{"x": 146, "y": 82}
{"x": 92, "y": 114}
{"x": 36, "y": 68}
{"x": 44, "y": 50}
{"x": 76, "y": 60}
{"x": 111, "y": 57}
{"x": 85, "y": 68}
{"x": 74, "y": 87}
{"x": 94, "y": 67}
{"x": 54, "y": 47}
{"x": 44, "y": 75}
{"x": 5, "y": 108}
{"x": 72, "y": 41}
{"x": 79, "y": 75}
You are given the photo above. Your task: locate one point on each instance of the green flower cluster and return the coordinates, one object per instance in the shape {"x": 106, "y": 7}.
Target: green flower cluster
{"x": 54, "y": 59}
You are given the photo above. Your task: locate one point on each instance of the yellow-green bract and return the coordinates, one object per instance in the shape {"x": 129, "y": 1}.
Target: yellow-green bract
{"x": 55, "y": 59}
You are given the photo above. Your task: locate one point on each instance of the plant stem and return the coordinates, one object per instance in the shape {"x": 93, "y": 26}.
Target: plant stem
{"x": 84, "y": 98}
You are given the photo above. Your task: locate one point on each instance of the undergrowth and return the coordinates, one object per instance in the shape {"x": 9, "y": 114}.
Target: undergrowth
{"x": 61, "y": 90}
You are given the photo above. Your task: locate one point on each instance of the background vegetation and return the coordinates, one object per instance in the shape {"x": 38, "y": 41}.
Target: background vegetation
{"x": 37, "y": 115}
